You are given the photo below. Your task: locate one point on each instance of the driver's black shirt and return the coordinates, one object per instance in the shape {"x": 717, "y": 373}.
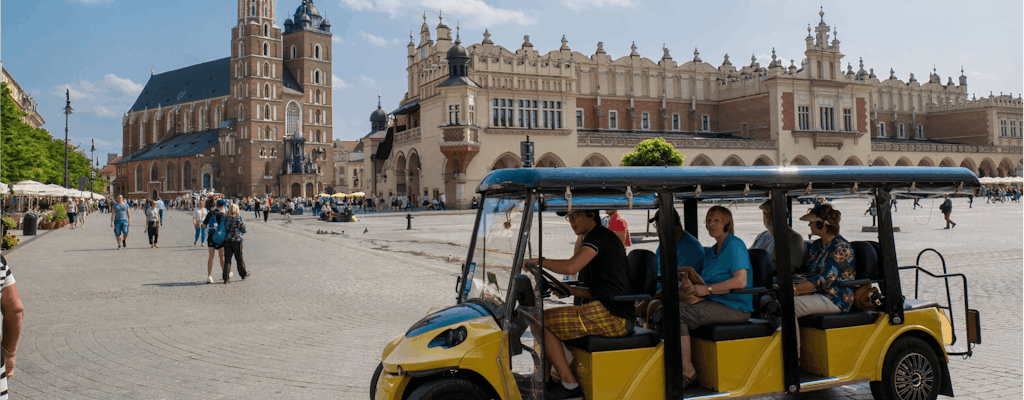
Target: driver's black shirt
{"x": 608, "y": 273}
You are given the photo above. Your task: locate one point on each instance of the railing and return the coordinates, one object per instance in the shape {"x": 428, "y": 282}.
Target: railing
{"x": 972, "y": 317}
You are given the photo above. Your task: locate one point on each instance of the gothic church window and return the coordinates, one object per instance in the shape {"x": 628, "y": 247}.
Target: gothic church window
{"x": 292, "y": 119}
{"x": 318, "y": 96}
{"x": 202, "y": 118}
{"x": 266, "y": 69}
{"x": 319, "y": 117}
{"x": 293, "y": 52}
{"x": 316, "y": 52}
{"x": 241, "y": 49}
{"x": 266, "y": 90}
{"x": 266, "y": 111}
{"x": 266, "y": 49}
{"x": 266, "y": 28}
{"x": 316, "y": 77}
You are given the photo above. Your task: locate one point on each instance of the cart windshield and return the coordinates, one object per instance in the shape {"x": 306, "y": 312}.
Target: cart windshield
{"x": 488, "y": 271}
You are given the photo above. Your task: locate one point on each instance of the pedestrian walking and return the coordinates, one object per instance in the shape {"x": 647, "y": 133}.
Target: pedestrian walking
{"x": 161, "y": 206}
{"x": 444, "y": 201}
{"x": 970, "y": 197}
{"x": 12, "y": 311}
{"x": 947, "y": 208}
{"x": 266, "y": 213}
{"x": 212, "y": 221}
{"x": 120, "y": 220}
{"x": 198, "y": 216}
{"x": 72, "y": 210}
{"x": 256, "y": 208}
{"x": 83, "y": 211}
{"x": 233, "y": 244}
{"x": 153, "y": 224}
{"x": 917, "y": 203}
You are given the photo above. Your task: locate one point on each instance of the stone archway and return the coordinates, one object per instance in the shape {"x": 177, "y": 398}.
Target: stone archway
{"x": 414, "y": 173}
{"x": 1006, "y": 168}
{"x": 763, "y": 160}
{"x": 947, "y": 162}
{"x": 904, "y": 162}
{"x": 800, "y": 160}
{"x": 701, "y": 161}
{"x": 987, "y": 168}
{"x": 925, "y": 162}
{"x": 550, "y": 160}
{"x": 309, "y": 190}
{"x": 853, "y": 160}
{"x": 401, "y": 173}
{"x": 827, "y": 161}
{"x": 733, "y": 161}
{"x": 296, "y": 190}
{"x": 880, "y": 162}
{"x": 507, "y": 160}
{"x": 596, "y": 160}
{"x": 969, "y": 164}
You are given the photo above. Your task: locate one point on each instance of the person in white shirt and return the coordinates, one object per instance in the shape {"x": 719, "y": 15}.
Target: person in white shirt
{"x": 197, "y": 219}
{"x": 443, "y": 201}
{"x": 161, "y": 206}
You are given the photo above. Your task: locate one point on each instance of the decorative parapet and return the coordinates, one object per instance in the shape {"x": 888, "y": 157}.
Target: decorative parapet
{"x": 982, "y": 103}
{"x": 524, "y": 132}
{"x": 407, "y": 136}
{"x": 947, "y": 148}
{"x": 598, "y": 139}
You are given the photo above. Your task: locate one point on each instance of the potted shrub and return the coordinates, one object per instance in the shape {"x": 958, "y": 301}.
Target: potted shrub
{"x": 9, "y": 241}
{"x": 60, "y": 215}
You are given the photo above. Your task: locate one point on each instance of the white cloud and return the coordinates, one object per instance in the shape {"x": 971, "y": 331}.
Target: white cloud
{"x": 106, "y": 98}
{"x": 377, "y": 40}
{"x": 368, "y": 81}
{"x": 337, "y": 83}
{"x": 337, "y": 39}
{"x": 123, "y": 84}
{"x": 580, "y": 5}
{"x": 475, "y": 13}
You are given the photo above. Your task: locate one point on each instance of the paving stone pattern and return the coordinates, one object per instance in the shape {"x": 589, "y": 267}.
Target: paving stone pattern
{"x": 311, "y": 321}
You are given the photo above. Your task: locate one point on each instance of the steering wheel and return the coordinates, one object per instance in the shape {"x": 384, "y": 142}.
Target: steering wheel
{"x": 553, "y": 282}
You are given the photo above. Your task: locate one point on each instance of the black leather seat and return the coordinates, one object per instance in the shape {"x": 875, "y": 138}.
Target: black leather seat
{"x": 865, "y": 261}
{"x": 760, "y": 265}
{"x": 744, "y": 330}
{"x": 840, "y": 320}
{"x": 643, "y": 275}
{"x": 641, "y": 338}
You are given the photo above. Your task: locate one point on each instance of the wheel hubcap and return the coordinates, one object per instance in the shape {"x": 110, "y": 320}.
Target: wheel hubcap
{"x": 914, "y": 377}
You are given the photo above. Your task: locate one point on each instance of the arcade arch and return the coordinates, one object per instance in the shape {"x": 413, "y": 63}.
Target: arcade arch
{"x": 701, "y": 161}
{"x": 733, "y": 161}
{"x": 596, "y": 160}
{"x": 853, "y": 160}
{"x": 507, "y": 160}
{"x": 763, "y": 160}
{"x": 827, "y": 160}
{"x": 904, "y": 162}
{"x": 550, "y": 160}
{"x": 800, "y": 160}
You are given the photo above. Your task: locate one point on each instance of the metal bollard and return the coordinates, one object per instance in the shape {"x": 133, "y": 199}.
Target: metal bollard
{"x": 408, "y": 218}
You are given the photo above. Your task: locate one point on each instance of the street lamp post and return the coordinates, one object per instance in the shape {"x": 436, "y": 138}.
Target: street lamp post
{"x": 67, "y": 115}
{"x": 92, "y": 171}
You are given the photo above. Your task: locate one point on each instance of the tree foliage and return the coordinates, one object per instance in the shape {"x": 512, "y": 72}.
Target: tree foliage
{"x": 31, "y": 153}
{"x": 652, "y": 153}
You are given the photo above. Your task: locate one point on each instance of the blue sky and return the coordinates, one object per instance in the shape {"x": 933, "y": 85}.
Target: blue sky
{"x": 103, "y": 50}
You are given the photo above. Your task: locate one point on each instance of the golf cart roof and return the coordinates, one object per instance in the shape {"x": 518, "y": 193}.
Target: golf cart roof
{"x": 723, "y": 182}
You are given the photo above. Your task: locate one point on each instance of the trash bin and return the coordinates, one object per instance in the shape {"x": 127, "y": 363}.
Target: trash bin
{"x": 28, "y": 225}
{"x": 346, "y": 215}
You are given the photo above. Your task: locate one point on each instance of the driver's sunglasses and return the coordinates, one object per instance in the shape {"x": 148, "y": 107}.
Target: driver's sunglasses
{"x": 570, "y": 217}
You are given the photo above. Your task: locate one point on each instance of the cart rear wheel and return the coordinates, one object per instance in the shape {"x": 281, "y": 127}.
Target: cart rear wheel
{"x": 374, "y": 380}
{"x": 911, "y": 372}
{"x": 448, "y": 389}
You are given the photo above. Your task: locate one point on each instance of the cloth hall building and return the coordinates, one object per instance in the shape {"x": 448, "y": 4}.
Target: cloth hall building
{"x": 468, "y": 108}
{"x": 255, "y": 123}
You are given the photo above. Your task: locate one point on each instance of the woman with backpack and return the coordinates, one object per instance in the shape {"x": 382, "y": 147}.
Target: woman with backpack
{"x": 153, "y": 224}
{"x": 235, "y": 228}
{"x": 215, "y": 221}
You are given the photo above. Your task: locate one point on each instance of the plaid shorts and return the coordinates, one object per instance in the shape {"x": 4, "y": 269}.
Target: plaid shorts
{"x": 591, "y": 319}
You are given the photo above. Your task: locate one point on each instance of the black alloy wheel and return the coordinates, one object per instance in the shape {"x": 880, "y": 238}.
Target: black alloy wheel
{"x": 911, "y": 372}
{"x": 448, "y": 389}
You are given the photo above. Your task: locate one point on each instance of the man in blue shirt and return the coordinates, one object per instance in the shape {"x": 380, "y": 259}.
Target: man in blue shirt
{"x": 689, "y": 252}
{"x": 120, "y": 220}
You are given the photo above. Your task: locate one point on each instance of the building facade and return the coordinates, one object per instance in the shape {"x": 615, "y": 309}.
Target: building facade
{"x": 255, "y": 123}
{"x": 23, "y": 100}
{"x": 468, "y": 108}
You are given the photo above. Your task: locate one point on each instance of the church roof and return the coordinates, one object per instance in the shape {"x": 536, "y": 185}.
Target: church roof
{"x": 290, "y": 83}
{"x": 193, "y": 83}
{"x": 185, "y": 144}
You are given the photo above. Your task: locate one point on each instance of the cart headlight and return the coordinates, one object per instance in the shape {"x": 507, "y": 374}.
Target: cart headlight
{"x": 449, "y": 338}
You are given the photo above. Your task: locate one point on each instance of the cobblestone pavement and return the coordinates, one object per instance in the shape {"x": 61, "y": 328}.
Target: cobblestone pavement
{"x": 313, "y": 318}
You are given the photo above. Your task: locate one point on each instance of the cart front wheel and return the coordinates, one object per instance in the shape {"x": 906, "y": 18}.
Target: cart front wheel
{"x": 911, "y": 372}
{"x": 448, "y": 389}
{"x": 374, "y": 380}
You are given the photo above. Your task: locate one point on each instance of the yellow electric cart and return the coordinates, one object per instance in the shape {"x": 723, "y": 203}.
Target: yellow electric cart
{"x": 487, "y": 345}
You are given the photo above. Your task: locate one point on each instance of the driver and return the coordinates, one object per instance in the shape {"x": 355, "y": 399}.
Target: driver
{"x": 603, "y": 256}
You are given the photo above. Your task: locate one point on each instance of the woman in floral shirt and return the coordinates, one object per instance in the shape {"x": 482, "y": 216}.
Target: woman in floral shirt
{"x": 829, "y": 263}
{"x": 234, "y": 227}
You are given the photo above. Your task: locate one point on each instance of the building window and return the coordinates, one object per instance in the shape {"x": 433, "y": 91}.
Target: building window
{"x": 266, "y": 112}
{"x": 316, "y": 77}
{"x": 553, "y": 113}
{"x": 266, "y": 49}
{"x": 613, "y": 119}
{"x": 1013, "y": 128}
{"x": 319, "y": 117}
{"x": 828, "y": 118}
{"x": 266, "y": 90}
{"x": 804, "y": 117}
{"x": 316, "y": 52}
{"x": 502, "y": 113}
{"x": 293, "y": 52}
{"x": 902, "y": 135}
{"x": 881, "y": 129}
{"x": 266, "y": 30}
{"x": 848, "y": 119}
{"x": 920, "y": 132}
{"x": 291, "y": 119}
{"x": 1002, "y": 128}
{"x": 527, "y": 113}
{"x": 453, "y": 114}
{"x": 675, "y": 122}
{"x": 266, "y": 70}
{"x": 705, "y": 123}
{"x": 645, "y": 121}
{"x": 579, "y": 118}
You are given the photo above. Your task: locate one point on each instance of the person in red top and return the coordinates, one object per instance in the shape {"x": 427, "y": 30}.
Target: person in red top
{"x": 618, "y": 225}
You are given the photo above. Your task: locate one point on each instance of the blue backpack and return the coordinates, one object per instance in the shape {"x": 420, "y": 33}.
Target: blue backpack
{"x": 220, "y": 231}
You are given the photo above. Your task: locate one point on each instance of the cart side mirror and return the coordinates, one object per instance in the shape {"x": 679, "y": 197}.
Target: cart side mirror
{"x": 524, "y": 291}
{"x": 973, "y": 326}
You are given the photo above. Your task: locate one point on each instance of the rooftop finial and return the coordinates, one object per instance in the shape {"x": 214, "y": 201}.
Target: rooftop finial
{"x": 378, "y": 101}
{"x": 458, "y": 26}
{"x": 822, "y": 13}
{"x": 424, "y": 17}
{"x": 440, "y": 15}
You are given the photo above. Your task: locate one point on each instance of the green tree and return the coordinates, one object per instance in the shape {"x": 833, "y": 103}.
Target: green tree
{"x": 652, "y": 153}
{"x": 31, "y": 153}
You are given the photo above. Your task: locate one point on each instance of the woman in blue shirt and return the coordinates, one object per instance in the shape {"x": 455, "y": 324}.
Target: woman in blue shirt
{"x": 726, "y": 267}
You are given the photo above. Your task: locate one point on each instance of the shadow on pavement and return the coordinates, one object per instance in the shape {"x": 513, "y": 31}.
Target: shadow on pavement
{"x": 175, "y": 284}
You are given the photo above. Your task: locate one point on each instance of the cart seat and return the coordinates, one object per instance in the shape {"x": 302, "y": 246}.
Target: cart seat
{"x": 917, "y": 304}
{"x": 744, "y": 330}
{"x": 640, "y": 338}
{"x": 838, "y": 320}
